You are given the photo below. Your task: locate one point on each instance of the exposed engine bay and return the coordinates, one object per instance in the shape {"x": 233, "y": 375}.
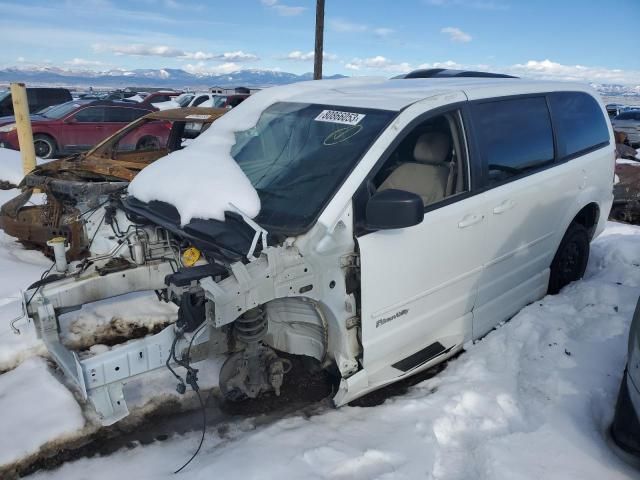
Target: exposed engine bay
{"x": 243, "y": 295}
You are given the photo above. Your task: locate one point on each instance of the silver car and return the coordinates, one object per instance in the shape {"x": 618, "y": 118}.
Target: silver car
{"x": 629, "y": 123}
{"x": 625, "y": 429}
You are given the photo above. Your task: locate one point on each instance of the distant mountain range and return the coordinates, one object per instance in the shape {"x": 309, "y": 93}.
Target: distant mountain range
{"x": 177, "y": 78}
{"x": 164, "y": 77}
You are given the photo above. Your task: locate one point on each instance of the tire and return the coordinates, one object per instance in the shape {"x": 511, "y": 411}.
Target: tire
{"x": 148, "y": 143}
{"x": 45, "y": 146}
{"x": 570, "y": 261}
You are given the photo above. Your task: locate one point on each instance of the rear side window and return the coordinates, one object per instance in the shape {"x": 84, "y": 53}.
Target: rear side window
{"x": 514, "y": 136}
{"x": 579, "y": 122}
{"x": 90, "y": 114}
{"x": 626, "y": 116}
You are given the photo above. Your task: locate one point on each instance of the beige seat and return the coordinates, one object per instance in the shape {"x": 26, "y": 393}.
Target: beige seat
{"x": 427, "y": 175}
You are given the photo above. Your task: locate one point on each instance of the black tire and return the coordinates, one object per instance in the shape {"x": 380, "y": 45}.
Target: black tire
{"x": 570, "y": 261}
{"x": 148, "y": 143}
{"x": 45, "y": 146}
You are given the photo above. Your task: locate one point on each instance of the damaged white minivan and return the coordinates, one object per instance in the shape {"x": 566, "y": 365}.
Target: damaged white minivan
{"x": 397, "y": 220}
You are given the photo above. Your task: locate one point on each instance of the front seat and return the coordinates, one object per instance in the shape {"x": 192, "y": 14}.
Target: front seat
{"x": 427, "y": 175}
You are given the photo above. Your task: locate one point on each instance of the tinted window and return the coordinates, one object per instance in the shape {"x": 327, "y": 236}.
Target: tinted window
{"x": 90, "y": 114}
{"x": 118, "y": 114}
{"x": 200, "y": 100}
{"x": 579, "y": 122}
{"x": 514, "y": 135}
{"x": 625, "y": 116}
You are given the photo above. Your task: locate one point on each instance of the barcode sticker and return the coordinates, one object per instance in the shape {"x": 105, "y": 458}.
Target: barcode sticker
{"x": 335, "y": 116}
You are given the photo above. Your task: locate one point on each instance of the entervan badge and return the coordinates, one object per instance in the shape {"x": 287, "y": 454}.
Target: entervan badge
{"x": 382, "y": 321}
{"x": 336, "y": 116}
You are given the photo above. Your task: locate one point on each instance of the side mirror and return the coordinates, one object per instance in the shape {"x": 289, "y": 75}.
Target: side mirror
{"x": 70, "y": 120}
{"x": 391, "y": 209}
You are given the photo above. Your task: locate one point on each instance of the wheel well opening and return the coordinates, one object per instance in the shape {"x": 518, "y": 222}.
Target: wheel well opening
{"x": 588, "y": 217}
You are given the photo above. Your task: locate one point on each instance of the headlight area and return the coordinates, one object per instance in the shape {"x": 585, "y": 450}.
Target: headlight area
{"x": 8, "y": 128}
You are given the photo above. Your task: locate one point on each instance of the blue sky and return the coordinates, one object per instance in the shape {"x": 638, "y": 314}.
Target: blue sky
{"x": 572, "y": 39}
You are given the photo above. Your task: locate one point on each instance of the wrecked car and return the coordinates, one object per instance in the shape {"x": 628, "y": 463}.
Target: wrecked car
{"x": 626, "y": 190}
{"x": 77, "y": 186}
{"x": 369, "y": 227}
{"x": 625, "y": 428}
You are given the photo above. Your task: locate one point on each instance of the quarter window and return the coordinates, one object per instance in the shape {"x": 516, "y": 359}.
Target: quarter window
{"x": 579, "y": 122}
{"x": 514, "y": 136}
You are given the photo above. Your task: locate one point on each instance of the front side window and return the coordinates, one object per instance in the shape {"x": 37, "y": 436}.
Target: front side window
{"x": 625, "y": 116}
{"x": 201, "y": 99}
{"x": 579, "y": 122}
{"x": 298, "y": 154}
{"x": 514, "y": 136}
{"x": 429, "y": 162}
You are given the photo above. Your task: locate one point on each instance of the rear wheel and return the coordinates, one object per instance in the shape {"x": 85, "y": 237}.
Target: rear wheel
{"x": 571, "y": 259}
{"x": 44, "y": 145}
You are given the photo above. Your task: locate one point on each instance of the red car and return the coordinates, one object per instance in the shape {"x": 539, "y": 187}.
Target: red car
{"x": 75, "y": 126}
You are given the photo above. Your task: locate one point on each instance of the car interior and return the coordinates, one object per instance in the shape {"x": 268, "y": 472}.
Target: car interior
{"x": 428, "y": 162}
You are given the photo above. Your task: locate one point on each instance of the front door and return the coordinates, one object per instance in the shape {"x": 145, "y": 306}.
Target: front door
{"x": 418, "y": 284}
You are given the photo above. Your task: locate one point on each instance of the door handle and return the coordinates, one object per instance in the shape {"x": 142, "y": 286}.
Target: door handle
{"x": 470, "y": 220}
{"x": 504, "y": 206}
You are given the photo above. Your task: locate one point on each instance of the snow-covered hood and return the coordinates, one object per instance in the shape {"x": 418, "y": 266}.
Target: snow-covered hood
{"x": 204, "y": 180}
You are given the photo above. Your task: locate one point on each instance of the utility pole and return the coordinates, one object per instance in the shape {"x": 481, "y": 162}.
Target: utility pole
{"x": 23, "y": 124}
{"x": 317, "y": 58}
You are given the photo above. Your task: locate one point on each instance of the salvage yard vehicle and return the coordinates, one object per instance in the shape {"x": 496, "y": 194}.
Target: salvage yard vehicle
{"x": 625, "y": 430}
{"x": 74, "y": 126}
{"x": 629, "y": 123}
{"x": 38, "y": 98}
{"x": 76, "y": 185}
{"x": 397, "y": 221}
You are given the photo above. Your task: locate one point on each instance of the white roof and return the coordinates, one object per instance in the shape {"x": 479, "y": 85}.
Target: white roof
{"x": 399, "y": 93}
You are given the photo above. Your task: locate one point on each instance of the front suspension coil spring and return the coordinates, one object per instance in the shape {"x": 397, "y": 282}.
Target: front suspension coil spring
{"x": 251, "y": 326}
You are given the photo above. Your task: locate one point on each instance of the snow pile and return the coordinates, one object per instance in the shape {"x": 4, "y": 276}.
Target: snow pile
{"x": 113, "y": 319}
{"x": 11, "y": 166}
{"x": 36, "y": 409}
{"x": 532, "y": 400}
{"x": 204, "y": 179}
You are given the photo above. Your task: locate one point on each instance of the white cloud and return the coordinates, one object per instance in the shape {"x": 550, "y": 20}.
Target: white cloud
{"x": 383, "y": 31}
{"x": 298, "y": 55}
{"x": 202, "y": 68}
{"x": 139, "y": 50}
{"x": 237, "y": 56}
{"x": 549, "y": 70}
{"x": 283, "y": 10}
{"x": 340, "y": 25}
{"x": 81, "y": 62}
{"x": 456, "y": 35}
{"x": 378, "y": 63}
{"x": 477, "y": 4}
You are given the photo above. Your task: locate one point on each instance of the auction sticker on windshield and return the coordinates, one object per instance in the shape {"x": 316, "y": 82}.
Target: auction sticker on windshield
{"x": 335, "y": 116}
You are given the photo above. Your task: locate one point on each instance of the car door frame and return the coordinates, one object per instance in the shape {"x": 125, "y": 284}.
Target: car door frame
{"x": 414, "y": 361}
{"x": 538, "y": 285}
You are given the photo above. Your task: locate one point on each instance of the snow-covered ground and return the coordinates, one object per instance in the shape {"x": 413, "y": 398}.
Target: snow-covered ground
{"x": 11, "y": 166}
{"x": 532, "y": 400}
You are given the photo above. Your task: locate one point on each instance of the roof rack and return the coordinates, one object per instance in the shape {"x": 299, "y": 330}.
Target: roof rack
{"x": 448, "y": 73}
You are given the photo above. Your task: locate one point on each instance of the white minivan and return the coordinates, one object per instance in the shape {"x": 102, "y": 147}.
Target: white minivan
{"x": 399, "y": 220}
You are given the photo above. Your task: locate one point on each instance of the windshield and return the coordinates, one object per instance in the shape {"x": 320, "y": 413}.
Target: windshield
{"x": 299, "y": 154}
{"x": 4, "y": 95}
{"x": 183, "y": 100}
{"x": 219, "y": 101}
{"x": 60, "y": 111}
